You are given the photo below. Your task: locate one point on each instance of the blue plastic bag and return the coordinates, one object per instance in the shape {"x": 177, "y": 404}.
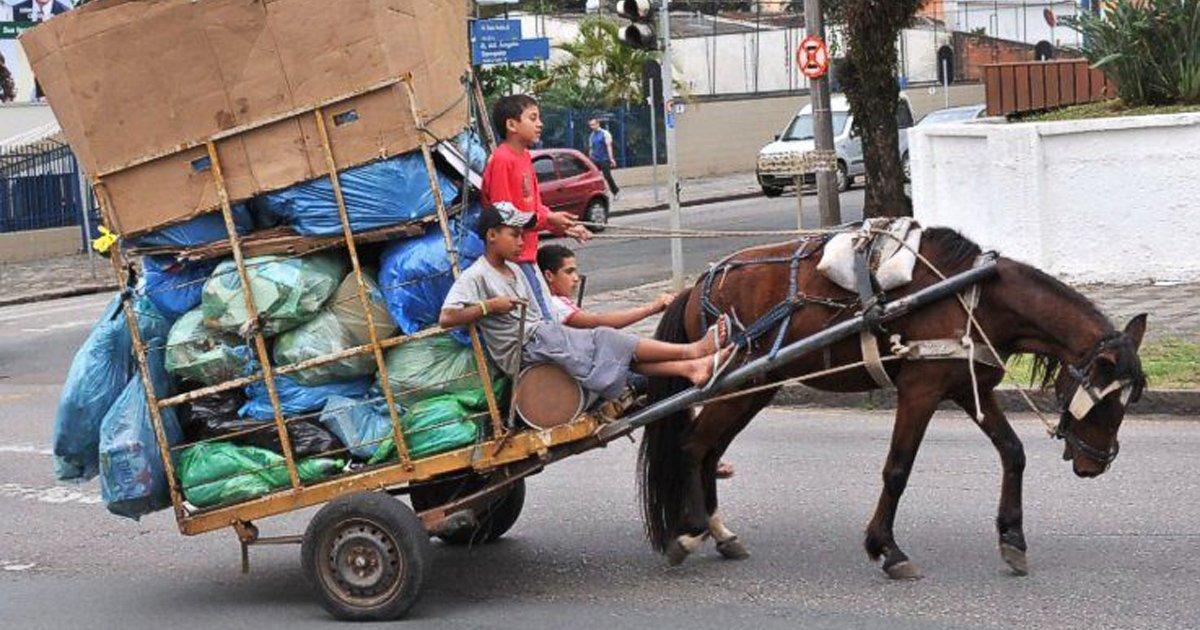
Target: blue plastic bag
{"x": 471, "y": 146}
{"x": 361, "y": 424}
{"x": 415, "y": 275}
{"x": 133, "y": 481}
{"x": 296, "y": 399}
{"x": 99, "y": 372}
{"x": 175, "y": 287}
{"x": 379, "y": 194}
{"x": 203, "y": 229}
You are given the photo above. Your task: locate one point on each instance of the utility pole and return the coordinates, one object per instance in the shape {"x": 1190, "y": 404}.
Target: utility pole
{"x": 827, "y": 192}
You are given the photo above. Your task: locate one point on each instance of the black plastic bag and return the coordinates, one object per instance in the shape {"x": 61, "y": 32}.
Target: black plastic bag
{"x": 216, "y": 416}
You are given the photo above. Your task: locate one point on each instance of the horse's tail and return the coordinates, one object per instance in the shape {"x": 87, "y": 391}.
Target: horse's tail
{"x": 661, "y": 460}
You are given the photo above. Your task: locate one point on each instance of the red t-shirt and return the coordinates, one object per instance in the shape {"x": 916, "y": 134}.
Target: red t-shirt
{"x": 509, "y": 176}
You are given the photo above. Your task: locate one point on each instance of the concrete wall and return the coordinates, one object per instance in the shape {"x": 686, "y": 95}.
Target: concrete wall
{"x": 18, "y": 118}
{"x": 39, "y": 244}
{"x": 723, "y": 137}
{"x": 1104, "y": 200}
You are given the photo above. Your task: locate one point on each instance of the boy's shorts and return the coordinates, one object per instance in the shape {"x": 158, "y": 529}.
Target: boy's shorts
{"x": 599, "y": 358}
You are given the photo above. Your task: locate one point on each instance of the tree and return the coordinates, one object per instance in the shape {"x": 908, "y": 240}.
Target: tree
{"x": 599, "y": 69}
{"x": 868, "y": 76}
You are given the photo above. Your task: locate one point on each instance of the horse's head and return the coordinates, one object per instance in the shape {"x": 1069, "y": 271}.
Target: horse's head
{"x": 1094, "y": 395}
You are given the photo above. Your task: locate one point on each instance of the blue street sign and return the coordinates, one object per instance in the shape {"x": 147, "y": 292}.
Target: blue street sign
{"x": 493, "y": 52}
{"x": 495, "y": 30}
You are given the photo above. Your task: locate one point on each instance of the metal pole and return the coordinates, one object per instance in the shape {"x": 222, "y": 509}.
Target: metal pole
{"x": 653, "y": 139}
{"x": 86, "y": 209}
{"x": 946, "y": 80}
{"x": 668, "y": 87}
{"x": 827, "y": 193}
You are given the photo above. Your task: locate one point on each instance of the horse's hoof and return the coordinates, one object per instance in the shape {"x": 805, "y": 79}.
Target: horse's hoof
{"x": 732, "y": 549}
{"x": 903, "y": 570}
{"x": 676, "y": 553}
{"x": 1015, "y": 559}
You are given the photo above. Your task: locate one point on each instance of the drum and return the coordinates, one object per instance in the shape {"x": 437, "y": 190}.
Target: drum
{"x": 546, "y": 396}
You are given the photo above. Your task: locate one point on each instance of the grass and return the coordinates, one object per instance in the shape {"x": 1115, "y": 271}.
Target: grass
{"x": 1168, "y": 363}
{"x": 1107, "y": 109}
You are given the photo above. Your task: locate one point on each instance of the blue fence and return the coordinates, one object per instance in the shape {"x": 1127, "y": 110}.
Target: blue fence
{"x": 40, "y": 189}
{"x": 629, "y": 126}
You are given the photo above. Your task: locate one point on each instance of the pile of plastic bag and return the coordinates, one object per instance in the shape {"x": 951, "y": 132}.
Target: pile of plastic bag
{"x": 287, "y": 291}
{"x": 217, "y": 473}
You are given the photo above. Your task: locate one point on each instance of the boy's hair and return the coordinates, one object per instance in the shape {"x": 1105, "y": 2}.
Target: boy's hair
{"x": 510, "y": 108}
{"x": 550, "y": 257}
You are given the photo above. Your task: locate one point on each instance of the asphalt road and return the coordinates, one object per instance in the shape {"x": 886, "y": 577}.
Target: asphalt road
{"x": 1113, "y": 552}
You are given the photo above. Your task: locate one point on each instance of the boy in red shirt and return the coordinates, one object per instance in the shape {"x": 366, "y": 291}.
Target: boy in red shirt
{"x": 510, "y": 183}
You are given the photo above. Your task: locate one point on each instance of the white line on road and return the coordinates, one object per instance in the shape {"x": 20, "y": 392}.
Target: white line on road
{"x": 25, "y": 449}
{"x": 10, "y": 566}
{"x": 60, "y": 326}
{"x": 54, "y": 494}
{"x": 16, "y": 313}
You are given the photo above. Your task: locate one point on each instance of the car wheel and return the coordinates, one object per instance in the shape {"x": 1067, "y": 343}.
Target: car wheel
{"x": 772, "y": 191}
{"x": 843, "y": 177}
{"x": 597, "y": 215}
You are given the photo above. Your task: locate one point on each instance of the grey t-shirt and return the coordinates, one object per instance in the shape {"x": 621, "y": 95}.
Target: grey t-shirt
{"x": 500, "y": 332}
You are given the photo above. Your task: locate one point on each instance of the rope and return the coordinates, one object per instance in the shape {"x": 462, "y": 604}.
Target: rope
{"x": 797, "y": 379}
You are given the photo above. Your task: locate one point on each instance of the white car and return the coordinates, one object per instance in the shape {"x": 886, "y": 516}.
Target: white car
{"x": 798, "y": 136}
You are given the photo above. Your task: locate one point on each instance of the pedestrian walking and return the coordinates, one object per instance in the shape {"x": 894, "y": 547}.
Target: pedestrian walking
{"x": 600, "y": 149}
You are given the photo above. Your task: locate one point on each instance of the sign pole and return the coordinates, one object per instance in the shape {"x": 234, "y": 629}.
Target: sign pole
{"x": 827, "y": 192}
{"x": 668, "y": 87}
{"x": 653, "y": 139}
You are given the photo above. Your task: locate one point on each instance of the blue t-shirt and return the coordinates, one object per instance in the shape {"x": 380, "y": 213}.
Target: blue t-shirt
{"x": 599, "y": 147}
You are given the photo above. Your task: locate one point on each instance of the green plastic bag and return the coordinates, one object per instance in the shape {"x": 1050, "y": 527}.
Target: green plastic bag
{"x": 218, "y": 473}
{"x": 318, "y": 337}
{"x": 348, "y": 308}
{"x": 202, "y": 355}
{"x": 430, "y": 427}
{"x": 434, "y": 366}
{"x": 287, "y": 291}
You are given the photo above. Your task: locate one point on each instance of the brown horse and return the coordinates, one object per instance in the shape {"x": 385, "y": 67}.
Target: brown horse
{"x": 1021, "y": 310}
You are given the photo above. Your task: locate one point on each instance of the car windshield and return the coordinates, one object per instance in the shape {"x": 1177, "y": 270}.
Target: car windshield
{"x": 802, "y": 126}
{"x": 955, "y": 114}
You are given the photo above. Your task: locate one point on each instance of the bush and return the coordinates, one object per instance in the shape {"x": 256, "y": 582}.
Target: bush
{"x": 1150, "y": 48}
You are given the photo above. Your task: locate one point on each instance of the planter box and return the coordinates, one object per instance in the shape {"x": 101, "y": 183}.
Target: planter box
{"x": 1113, "y": 200}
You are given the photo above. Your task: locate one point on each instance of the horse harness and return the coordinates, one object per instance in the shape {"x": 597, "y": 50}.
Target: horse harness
{"x": 870, "y": 300}
{"x": 1087, "y": 395}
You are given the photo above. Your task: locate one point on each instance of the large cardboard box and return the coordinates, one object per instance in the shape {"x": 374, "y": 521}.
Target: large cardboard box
{"x": 140, "y": 85}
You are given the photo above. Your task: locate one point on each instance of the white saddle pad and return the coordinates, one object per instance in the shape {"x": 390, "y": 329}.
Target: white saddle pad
{"x": 892, "y": 264}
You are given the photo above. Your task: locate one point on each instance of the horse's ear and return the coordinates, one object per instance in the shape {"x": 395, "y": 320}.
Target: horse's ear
{"x": 1136, "y": 329}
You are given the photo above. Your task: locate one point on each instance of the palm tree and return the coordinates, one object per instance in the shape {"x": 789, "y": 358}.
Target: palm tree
{"x": 599, "y": 70}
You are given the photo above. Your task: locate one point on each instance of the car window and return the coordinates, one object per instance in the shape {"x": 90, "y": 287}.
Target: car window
{"x": 570, "y": 166}
{"x": 802, "y": 126}
{"x": 544, "y": 167}
{"x": 904, "y": 118}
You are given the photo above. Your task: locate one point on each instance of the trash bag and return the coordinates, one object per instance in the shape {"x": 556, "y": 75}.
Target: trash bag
{"x": 361, "y": 424}
{"x": 379, "y": 194}
{"x": 216, "y": 416}
{"x": 199, "y": 354}
{"x": 287, "y": 291}
{"x": 296, "y": 399}
{"x": 218, "y": 473}
{"x": 201, "y": 230}
{"x": 133, "y": 481}
{"x": 320, "y": 336}
{"x": 174, "y": 287}
{"x": 415, "y": 277}
{"x": 470, "y": 145}
{"x": 99, "y": 373}
{"x": 430, "y": 427}
{"x": 349, "y": 311}
{"x": 430, "y": 367}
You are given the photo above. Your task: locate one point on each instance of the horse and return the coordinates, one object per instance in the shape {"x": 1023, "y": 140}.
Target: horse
{"x": 1094, "y": 369}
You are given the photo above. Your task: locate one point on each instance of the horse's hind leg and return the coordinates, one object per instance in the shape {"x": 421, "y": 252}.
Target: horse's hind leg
{"x": 917, "y": 402}
{"x": 1012, "y": 459}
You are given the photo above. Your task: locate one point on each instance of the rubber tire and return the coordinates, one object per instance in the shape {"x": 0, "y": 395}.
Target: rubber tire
{"x": 494, "y": 521}
{"x": 845, "y": 182}
{"x": 597, "y": 212}
{"x": 770, "y": 191}
{"x": 394, "y": 518}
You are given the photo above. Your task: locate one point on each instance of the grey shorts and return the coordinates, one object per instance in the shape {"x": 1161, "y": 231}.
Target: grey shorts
{"x": 599, "y": 358}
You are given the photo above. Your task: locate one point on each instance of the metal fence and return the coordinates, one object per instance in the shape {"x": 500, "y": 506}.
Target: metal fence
{"x": 40, "y": 188}
{"x": 629, "y": 126}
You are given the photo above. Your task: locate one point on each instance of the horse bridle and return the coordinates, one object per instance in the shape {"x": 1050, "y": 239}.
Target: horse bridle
{"x": 1085, "y": 398}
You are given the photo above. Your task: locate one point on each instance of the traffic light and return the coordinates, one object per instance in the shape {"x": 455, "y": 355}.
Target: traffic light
{"x": 638, "y": 33}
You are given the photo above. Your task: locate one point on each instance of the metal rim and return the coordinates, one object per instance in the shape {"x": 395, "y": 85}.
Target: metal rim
{"x": 597, "y": 212}
{"x": 360, "y": 563}
{"x": 843, "y": 177}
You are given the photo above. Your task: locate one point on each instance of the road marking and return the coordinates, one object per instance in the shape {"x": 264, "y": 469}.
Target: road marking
{"x": 8, "y": 566}
{"x": 18, "y": 313}
{"x": 60, "y": 326}
{"x": 12, "y": 397}
{"x": 56, "y": 495}
{"x": 25, "y": 449}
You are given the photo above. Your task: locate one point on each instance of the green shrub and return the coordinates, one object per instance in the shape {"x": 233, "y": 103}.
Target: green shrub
{"x": 1149, "y": 48}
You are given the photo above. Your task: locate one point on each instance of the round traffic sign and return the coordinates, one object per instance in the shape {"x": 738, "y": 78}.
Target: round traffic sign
{"x": 813, "y": 57}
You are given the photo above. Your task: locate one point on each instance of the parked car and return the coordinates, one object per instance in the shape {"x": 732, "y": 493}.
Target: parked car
{"x": 571, "y": 183}
{"x": 954, "y": 114}
{"x": 798, "y": 136}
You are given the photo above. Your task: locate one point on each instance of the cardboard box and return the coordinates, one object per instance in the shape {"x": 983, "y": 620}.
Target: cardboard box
{"x": 140, "y": 85}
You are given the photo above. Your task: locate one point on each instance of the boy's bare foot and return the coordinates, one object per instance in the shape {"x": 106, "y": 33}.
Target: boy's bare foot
{"x": 716, "y": 337}
{"x": 702, "y": 369}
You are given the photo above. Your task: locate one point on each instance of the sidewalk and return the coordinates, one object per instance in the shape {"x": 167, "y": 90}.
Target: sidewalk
{"x": 53, "y": 278}
{"x": 634, "y": 199}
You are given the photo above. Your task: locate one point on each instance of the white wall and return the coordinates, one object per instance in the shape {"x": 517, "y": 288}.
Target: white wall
{"x": 1107, "y": 200}
{"x": 1016, "y": 20}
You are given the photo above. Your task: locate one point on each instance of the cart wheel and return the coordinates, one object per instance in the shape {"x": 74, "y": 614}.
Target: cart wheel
{"x": 366, "y": 554}
{"x": 493, "y": 521}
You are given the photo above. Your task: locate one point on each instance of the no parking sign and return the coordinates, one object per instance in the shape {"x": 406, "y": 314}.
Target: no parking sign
{"x": 813, "y": 57}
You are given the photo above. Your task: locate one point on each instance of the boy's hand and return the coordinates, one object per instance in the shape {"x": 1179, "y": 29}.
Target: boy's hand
{"x": 561, "y": 221}
{"x": 579, "y": 233}
{"x": 503, "y": 304}
{"x": 664, "y": 301}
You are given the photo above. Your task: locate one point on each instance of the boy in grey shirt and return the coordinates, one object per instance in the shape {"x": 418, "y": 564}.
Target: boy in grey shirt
{"x": 491, "y": 292}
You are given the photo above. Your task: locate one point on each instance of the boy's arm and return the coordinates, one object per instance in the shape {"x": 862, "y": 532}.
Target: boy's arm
{"x": 463, "y": 314}
{"x": 618, "y": 319}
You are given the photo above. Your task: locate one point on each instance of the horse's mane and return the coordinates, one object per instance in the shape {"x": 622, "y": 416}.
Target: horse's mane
{"x": 951, "y": 249}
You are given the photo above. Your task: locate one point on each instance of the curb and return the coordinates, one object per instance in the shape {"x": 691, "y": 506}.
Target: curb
{"x": 59, "y": 294}
{"x": 1172, "y": 402}
{"x": 687, "y": 204}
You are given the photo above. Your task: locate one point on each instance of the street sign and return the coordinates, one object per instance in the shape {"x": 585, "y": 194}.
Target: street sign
{"x": 813, "y": 57}
{"x": 494, "y": 52}
{"x": 495, "y": 30}
{"x": 12, "y": 30}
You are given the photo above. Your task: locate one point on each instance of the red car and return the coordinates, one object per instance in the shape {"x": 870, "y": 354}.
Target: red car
{"x": 571, "y": 183}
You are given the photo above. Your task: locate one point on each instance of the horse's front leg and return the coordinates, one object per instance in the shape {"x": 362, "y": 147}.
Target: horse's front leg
{"x": 1012, "y": 460}
{"x": 916, "y": 404}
